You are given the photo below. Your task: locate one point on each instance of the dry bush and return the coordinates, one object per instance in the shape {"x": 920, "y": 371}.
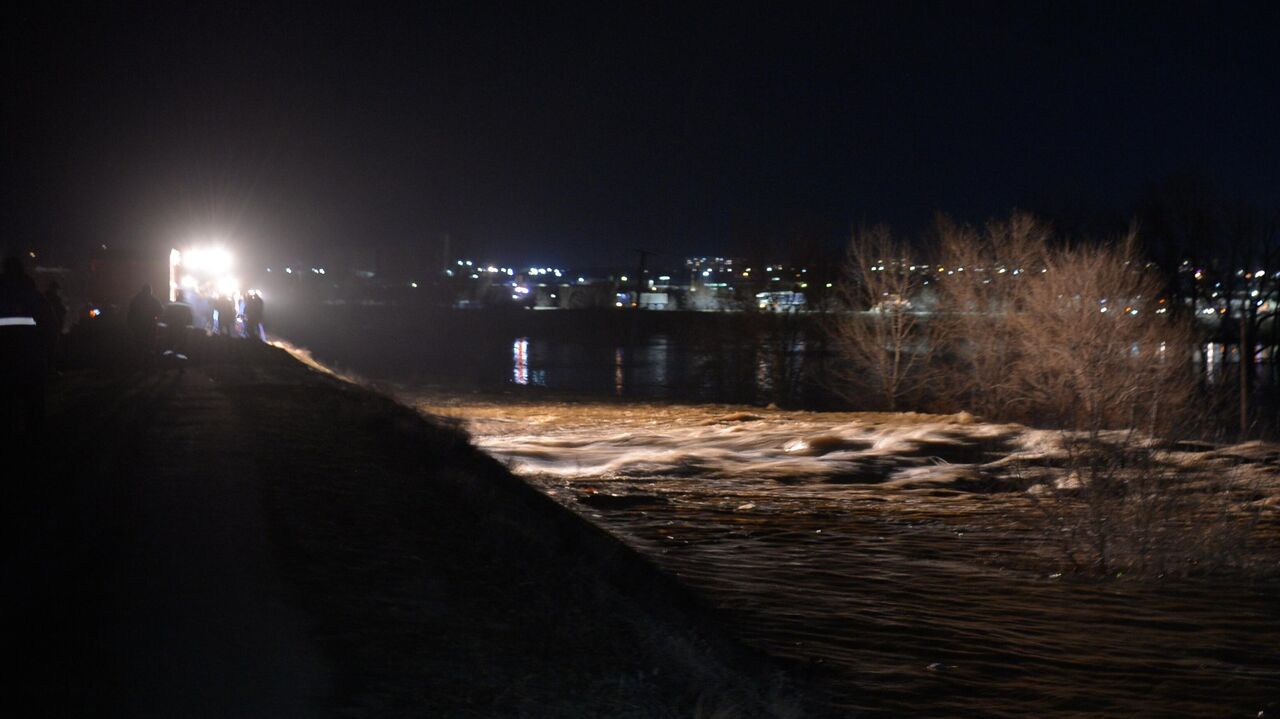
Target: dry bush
{"x": 1032, "y": 329}
{"x": 1064, "y": 336}
{"x": 1120, "y": 509}
{"x": 885, "y": 340}
{"x": 988, "y": 270}
{"x": 1094, "y": 350}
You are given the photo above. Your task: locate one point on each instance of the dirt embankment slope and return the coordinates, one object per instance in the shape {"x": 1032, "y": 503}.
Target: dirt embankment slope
{"x": 251, "y": 538}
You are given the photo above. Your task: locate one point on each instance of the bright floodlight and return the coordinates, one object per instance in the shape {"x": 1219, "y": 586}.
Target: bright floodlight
{"x": 217, "y": 260}
{"x": 211, "y": 260}
{"x": 228, "y": 286}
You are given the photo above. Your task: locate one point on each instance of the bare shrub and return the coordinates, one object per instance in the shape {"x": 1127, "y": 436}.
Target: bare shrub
{"x": 1071, "y": 336}
{"x": 1074, "y": 336}
{"x": 884, "y": 338}
{"x": 1095, "y": 351}
{"x": 981, "y": 275}
{"x": 1120, "y": 508}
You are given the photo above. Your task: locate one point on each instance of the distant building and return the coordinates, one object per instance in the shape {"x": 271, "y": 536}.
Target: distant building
{"x": 784, "y": 301}
{"x": 654, "y": 301}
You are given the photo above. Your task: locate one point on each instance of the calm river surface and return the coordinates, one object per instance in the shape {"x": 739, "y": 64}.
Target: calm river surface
{"x": 894, "y": 559}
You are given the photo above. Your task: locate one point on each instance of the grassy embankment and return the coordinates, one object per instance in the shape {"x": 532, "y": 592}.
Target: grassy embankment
{"x": 430, "y": 580}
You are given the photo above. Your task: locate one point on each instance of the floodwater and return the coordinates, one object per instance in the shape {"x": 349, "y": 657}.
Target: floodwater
{"x": 889, "y": 557}
{"x": 904, "y": 563}
{"x": 699, "y": 356}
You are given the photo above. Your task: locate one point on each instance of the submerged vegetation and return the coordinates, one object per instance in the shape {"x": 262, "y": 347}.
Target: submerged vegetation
{"x": 1016, "y": 325}
{"x": 1081, "y": 337}
{"x": 934, "y": 564}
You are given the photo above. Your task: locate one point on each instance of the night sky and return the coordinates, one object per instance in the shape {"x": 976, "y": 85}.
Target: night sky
{"x": 574, "y": 134}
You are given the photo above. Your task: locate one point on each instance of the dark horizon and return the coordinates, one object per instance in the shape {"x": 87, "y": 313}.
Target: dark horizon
{"x": 574, "y": 136}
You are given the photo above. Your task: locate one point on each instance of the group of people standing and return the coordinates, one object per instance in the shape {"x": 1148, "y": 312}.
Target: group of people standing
{"x": 225, "y": 310}
{"x": 31, "y": 337}
{"x": 147, "y": 316}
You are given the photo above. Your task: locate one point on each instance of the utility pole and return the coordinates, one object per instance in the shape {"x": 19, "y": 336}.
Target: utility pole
{"x": 644, "y": 256}
{"x": 1246, "y": 365}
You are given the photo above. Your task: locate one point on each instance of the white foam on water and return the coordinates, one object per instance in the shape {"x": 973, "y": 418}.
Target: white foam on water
{"x": 826, "y": 452}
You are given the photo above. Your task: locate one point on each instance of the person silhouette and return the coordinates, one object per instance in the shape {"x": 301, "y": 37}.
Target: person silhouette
{"x": 225, "y": 306}
{"x": 58, "y": 309}
{"x": 254, "y": 309}
{"x": 25, "y": 320}
{"x": 144, "y": 312}
{"x": 178, "y": 318}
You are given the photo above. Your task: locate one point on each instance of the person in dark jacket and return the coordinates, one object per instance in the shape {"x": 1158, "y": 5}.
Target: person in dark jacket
{"x": 53, "y": 334}
{"x": 254, "y": 308}
{"x": 25, "y": 320}
{"x": 178, "y": 318}
{"x": 144, "y": 313}
{"x": 225, "y": 306}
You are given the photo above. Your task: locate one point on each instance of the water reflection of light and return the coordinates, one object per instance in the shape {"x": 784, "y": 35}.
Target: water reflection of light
{"x": 764, "y": 371}
{"x": 617, "y": 371}
{"x": 520, "y": 361}
{"x": 654, "y": 359}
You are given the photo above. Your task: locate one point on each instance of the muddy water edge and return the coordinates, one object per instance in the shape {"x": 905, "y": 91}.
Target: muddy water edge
{"x": 868, "y": 551}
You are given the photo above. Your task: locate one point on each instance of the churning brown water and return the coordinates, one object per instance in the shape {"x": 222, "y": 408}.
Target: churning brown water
{"x": 895, "y": 558}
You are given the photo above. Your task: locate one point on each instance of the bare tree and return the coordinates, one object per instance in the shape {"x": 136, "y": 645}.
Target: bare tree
{"x": 884, "y": 338}
{"x": 981, "y": 275}
{"x": 1078, "y": 336}
{"x": 1074, "y": 336}
{"x": 1095, "y": 347}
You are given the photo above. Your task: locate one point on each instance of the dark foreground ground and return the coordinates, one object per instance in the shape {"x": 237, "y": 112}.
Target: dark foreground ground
{"x": 248, "y": 537}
